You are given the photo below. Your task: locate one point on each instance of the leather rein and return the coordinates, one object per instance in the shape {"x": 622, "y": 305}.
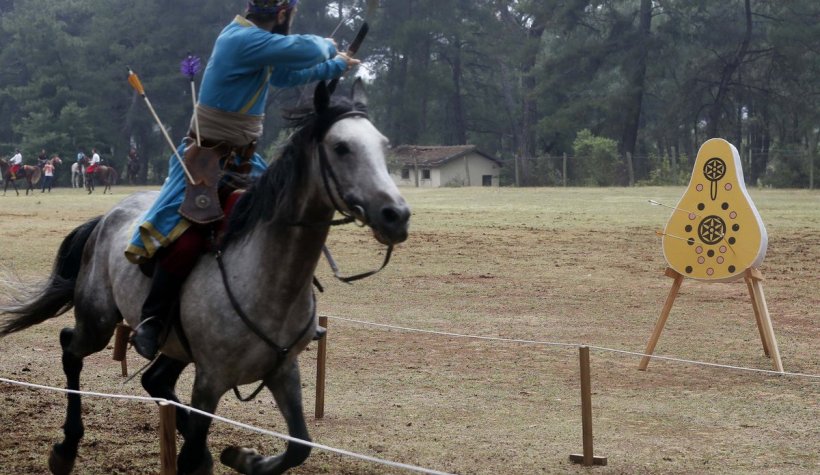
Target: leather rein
{"x": 329, "y": 179}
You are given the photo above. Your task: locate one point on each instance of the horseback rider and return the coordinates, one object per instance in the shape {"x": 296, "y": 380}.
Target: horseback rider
{"x": 94, "y": 162}
{"x": 133, "y": 159}
{"x": 16, "y": 162}
{"x": 251, "y": 54}
{"x": 42, "y": 159}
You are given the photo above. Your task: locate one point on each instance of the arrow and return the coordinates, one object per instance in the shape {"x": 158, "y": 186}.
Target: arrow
{"x": 135, "y": 82}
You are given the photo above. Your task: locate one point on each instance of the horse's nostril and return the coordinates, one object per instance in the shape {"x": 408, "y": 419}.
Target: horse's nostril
{"x": 395, "y": 215}
{"x": 390, "y": 215}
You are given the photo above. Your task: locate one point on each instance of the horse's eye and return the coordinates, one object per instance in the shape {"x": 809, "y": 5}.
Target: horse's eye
{"x": 341, "y": 148}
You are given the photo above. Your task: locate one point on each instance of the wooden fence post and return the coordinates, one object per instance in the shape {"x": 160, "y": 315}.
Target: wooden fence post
{"x": 564, "y": 170}
{"x": 121, "y": 345}
{"x": 587, "y": 458}
{"x": 167, "y": 439}
{"x": 321, "y": 359}
{"x": 630, "y": 168}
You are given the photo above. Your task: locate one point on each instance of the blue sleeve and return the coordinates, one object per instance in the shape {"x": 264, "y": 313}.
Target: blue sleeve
{"x": 289, "y": 52}
{"x": 327, "y": 70}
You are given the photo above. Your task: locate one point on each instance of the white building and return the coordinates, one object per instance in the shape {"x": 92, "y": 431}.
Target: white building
{"x": 429, "y": 166}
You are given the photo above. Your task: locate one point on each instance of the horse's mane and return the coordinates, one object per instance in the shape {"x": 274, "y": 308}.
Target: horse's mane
{"x": 271, "y": 195}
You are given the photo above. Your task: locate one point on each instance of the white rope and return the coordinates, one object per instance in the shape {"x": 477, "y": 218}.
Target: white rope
{"x": 573, "y": 345}
{"x": 231, "y": 422}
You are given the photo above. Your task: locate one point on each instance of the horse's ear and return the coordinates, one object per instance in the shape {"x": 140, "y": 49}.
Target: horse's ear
{"x": 321, "y": 97}
{"x": 358, "y": 95}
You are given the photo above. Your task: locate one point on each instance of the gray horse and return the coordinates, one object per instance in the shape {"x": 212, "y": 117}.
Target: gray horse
{"x": 247, "y": 311}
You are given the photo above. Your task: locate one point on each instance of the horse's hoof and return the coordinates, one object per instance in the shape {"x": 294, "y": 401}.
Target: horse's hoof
{"x": 238, "y": 458}
{"x": 204, "y": 468}
{"x": 59, "y": 465}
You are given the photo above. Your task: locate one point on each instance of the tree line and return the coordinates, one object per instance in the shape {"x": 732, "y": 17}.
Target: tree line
{"x": 629, "y": 88}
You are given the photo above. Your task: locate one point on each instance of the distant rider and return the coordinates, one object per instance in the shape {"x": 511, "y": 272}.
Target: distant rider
{"x": 16, "y": 162}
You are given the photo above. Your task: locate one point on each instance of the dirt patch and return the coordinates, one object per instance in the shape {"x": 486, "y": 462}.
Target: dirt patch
{"x": 549, "y": 265}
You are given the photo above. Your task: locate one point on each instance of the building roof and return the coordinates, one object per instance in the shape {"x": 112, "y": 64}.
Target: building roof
{"x": 430, "y": 156}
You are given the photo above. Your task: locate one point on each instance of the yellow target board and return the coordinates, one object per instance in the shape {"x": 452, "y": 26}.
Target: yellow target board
{"x": 715, "y": 232}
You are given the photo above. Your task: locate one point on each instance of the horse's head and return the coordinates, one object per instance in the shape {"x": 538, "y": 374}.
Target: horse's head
{"x": 353, "y": 167}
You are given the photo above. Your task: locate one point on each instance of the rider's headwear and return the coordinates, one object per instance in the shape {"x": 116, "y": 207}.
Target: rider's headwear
{"x": 270, "y": 7}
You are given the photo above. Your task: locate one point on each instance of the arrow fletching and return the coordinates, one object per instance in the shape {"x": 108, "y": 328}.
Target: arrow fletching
{"x": 190, "y": 66}
{"x": 134, "y": 81}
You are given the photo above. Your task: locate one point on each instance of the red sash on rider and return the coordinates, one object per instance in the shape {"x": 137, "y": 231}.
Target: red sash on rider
{"x": 91, "y": 168}
{"x": 14, "y": 169}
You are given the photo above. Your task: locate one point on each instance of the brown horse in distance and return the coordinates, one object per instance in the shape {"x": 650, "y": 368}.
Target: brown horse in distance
{"x": 104, "y": 174}
{"x": 30, "y": 173}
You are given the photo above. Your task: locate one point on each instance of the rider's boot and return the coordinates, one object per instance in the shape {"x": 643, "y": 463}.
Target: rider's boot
{"x": 161, "y": 298}
{"x": 320, "y": 333}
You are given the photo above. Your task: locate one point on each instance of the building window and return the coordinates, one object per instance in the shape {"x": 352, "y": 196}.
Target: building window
{"x": 486, "y": 180}
{"x": 405, "y": 173}
{"x": 425, "y": 174}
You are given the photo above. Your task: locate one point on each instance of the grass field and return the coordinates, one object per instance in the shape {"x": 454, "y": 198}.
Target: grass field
{"x": 577, "y": 266}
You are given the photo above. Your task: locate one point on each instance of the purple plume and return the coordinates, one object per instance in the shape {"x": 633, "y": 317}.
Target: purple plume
{"x": 190, "y": 66}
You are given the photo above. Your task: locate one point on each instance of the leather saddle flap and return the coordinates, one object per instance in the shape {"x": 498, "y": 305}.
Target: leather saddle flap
{"x": 201, "y": 204}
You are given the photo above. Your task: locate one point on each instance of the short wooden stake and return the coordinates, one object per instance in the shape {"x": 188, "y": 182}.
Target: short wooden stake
{"x": 167, "y": 439}
{"x": 121, "y": 345}
{"x": 321, "y": 360}
{"x": 587, "y": 458}
{"x": 667, "y": 307}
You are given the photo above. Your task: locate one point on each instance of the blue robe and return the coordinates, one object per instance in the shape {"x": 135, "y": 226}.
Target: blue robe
{"x": 245, "y": 62}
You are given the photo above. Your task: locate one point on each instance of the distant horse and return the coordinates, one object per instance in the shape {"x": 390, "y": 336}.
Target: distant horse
{"x": 106, "y": 176}
{"x": 133, "y": 170}
{"x": 30, "y": 173}
{"x": 77, "y": 175}
{"x": 245, "y": 312}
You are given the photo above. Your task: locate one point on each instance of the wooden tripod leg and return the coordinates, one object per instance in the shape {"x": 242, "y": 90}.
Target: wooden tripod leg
{"x": 758, "y": 319}
{"x": 667, "y": 307}
{"x": 768, "y": 329}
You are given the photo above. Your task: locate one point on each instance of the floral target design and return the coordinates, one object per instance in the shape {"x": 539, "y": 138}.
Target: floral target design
{"x": 714, "y": 170}
{"x": 712, "y": 229}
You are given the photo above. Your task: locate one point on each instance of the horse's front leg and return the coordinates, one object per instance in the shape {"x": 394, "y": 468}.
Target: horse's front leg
{"x": 13, "y": 184}
{"x": 194, "y": 457}
{"x": 286, "y": 388}
{"x": 160, "y": 381}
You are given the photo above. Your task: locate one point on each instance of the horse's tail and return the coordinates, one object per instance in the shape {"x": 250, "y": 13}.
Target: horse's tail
{"x": 35, "y": 175}
{"x": 57, "y": 296}
{"x": 114, "y": 176}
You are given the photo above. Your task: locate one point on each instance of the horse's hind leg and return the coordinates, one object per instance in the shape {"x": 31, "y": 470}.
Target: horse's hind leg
{"x": 287, "y": 390}
{"x": 76, "y": 344}
{"x": 160, "y": 381}
{"x": 62, "y": 457}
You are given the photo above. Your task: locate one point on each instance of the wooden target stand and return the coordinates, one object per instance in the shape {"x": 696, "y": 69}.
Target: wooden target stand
{"x": 753, "y": 279}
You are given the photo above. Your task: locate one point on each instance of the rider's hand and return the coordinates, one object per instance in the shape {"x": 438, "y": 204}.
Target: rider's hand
{"x": 349, "y": 60}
